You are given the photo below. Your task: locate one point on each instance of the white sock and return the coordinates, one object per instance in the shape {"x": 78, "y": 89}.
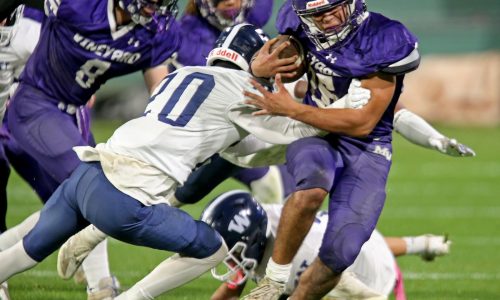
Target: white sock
{"x": 415, "y": 129}
{"x": 15, "y": 260}
{"x": 96, "y": 266}
{"x": 16, "y": 233}
{"x": 415, "y": 244}
{"x": 277, "y": 272}
{"x": 171, "y": 273}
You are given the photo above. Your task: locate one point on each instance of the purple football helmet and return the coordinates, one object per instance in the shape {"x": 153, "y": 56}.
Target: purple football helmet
{"x": 354, "y": 11}
{"x": 223, "y": 19}
{"x": 242, "y": 222}
{"x": 163, "y": 12}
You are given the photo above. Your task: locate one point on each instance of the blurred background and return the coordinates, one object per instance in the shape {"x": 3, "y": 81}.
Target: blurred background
{"x": 458, "y": 82}
{"x": 457, "y": 87}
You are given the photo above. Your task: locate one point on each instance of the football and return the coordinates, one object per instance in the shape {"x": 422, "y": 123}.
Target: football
{"x": 295, "y": 48}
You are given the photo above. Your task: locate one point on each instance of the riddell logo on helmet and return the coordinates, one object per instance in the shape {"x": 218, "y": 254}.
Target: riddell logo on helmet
{"x": 231, "y": 55}
{"x": 317, "y": 3}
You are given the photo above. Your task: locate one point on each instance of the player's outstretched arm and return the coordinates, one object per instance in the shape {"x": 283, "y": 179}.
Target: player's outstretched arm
{"x": 416, "y": 130}
{"x": 427, "y": 246}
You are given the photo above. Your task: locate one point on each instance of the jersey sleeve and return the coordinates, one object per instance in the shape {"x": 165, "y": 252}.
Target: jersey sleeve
{"x": 166, "y": 44}
{"x": 287, "y": 21}
{"x": 399, "y": 49}
{"x": 260, "y": 13}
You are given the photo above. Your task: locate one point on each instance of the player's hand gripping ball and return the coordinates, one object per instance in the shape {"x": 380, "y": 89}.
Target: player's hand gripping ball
{"x": 295, "y": 48}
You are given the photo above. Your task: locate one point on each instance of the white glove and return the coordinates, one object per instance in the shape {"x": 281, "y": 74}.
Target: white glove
{"x": 356, "y": 97}
{"x": 451, "y": 147}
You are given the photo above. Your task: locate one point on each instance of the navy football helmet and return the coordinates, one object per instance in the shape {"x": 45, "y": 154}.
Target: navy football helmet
{"x": 354, "y": 11}
{"x": 163, "y": 12}
{"x": 237, "y": 44}
{"x": 221, "y": 20}
{"x": 243, "y": 224}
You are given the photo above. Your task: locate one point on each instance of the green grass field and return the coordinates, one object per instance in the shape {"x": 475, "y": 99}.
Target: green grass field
{"x": 427, "y": 193}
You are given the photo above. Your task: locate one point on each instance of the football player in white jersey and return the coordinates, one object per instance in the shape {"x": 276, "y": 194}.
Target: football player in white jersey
{"x": 123, "y": 186}
{"x": 17, "y": 42}
{"x": 249, "y": 229}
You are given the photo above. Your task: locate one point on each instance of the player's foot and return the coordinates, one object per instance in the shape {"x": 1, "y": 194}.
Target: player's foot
{"x": 71, "y": 256}
{"x": 4, "y": 291}
{"x": 267, "y": 289}
{"x": 451, "y": 147}
{"x": 108, "y": 289}
{"x": 435, "y": 245}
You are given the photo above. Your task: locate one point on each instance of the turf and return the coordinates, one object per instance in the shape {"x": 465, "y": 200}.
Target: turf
{"x": 427, "y": 193}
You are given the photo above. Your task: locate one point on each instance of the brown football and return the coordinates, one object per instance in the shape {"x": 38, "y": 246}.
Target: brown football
{"x": 295, "y": 48}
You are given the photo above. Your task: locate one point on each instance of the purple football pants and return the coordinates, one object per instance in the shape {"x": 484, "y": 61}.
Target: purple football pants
{"x": 47, "y": 133}
{"x": 356, "y": 180}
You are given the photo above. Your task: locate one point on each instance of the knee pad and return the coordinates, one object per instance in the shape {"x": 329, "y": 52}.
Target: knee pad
{"x": 340, "y": 248}
{"x": 312, "y": 162}
{"x": 206, "y": 242}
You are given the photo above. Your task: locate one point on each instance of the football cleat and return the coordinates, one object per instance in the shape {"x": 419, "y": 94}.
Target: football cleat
{"x": 107, "y": 289}
{"x": 4, "y": 291}
{"x": 435, "y": 245}
{"x": 451, "y": 147}
{"x": 267, "y": 289}
{"x": 71, "y": 256}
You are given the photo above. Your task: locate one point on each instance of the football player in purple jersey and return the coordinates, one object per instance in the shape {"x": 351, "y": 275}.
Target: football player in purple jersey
{"x": 344, "y": 41}
{"x": 82, "y": 45}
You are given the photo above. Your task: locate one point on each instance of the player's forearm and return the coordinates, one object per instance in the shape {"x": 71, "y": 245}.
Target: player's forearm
{"x": 350, "y": 122}
{"x": 415, "y": 129}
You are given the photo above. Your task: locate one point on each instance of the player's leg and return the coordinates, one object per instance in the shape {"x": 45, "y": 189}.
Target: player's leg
{"x": 356, "y": 202}
{"x": 158, "y": 226}
{"x": 313, "y": 164}
{"x": 48, "y": 135}
{"x": 29, "y": 169}
{"x": 203, "y": 180}
{"x": 48, "y": 234}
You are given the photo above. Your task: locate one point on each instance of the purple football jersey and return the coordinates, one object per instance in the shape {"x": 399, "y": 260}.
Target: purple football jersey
{"x": 374, "y": 46}
{"x": 81, "y": 47}
{"x": 199, "y": 36}
{"x": 33, "y": 13}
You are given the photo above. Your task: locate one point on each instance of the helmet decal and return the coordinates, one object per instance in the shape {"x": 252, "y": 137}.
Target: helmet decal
{"x": 243, "y": 224}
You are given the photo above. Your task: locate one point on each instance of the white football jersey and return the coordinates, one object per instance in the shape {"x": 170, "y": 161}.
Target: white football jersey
{"x": 23, "y": 37}
{"x": 374, "y": 266}
{"x": 194, "y": 113}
